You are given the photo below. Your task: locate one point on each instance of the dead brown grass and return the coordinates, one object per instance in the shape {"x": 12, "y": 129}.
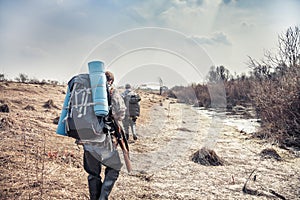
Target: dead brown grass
{"x": 36, "y": 163}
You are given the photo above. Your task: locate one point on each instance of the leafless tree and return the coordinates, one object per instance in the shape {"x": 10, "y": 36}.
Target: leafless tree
{"x": 276, "y": 95}
{"x": 289, "y": 46}
{"x": 276, "y": 64}
{"x": 219, "y": 73}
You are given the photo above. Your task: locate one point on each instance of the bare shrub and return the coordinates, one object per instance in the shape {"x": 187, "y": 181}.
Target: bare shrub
{"x": 23, "y": 78}
{"x": 184, "y": 94}
{"x": 277, "y": 102}
{"x": 276, "y": 91}
{"x": 238, "y": 90}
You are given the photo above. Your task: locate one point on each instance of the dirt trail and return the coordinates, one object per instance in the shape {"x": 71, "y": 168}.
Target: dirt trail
{"x": 165, "y": 170}
{"x": 35, "y": 163}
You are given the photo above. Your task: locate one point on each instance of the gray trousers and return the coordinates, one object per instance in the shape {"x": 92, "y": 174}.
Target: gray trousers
{"x": 99, "y": 190}
{"x": 129, "y": 122}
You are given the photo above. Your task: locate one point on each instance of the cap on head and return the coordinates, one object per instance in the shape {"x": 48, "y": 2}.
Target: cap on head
{"x": 127, "y": 86}
{"x": 109, "y": 76}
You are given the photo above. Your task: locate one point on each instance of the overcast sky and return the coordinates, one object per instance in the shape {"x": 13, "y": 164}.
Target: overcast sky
{"x": 54, "y": 39}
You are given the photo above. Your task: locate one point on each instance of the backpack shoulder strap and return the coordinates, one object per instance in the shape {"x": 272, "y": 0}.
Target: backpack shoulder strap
{"x": 71, "y": 83}
{"x": 109, "y": 99}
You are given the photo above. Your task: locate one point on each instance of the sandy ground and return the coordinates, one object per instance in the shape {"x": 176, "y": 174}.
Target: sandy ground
{"x": 36, "y": 163}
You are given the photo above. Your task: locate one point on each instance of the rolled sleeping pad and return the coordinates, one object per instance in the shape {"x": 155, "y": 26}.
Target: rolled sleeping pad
{"x": 98, "y": 85}
{"x": 61, "y": 127}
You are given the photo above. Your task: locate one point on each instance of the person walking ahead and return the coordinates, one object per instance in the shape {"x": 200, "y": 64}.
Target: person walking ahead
{"x": 100, "y": 190}
{"x": 131, "y": 100}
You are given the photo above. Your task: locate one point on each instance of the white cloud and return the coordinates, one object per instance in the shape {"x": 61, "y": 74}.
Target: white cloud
{"x": 228, "y": 29}
{"x": 189, "y": 2}
{"x": 216, "y": 38}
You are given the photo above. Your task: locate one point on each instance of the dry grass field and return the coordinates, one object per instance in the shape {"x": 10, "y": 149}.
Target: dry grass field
{"x": 36, "y": 163}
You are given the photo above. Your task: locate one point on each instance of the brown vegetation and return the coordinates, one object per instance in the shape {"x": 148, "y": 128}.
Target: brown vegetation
{"x": 272, "y": 88}
{"x": 270, "y": 153}
{"x": 36, "y": 163}
{"x": 276, "y": 93}
{"x": 207, "y": 157}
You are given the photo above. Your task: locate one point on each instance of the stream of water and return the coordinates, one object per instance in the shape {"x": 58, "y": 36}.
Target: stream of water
{"x": 248, "y": 125}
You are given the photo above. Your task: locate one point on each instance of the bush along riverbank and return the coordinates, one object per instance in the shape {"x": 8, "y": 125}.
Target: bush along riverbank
{"x": 271, "y": 88}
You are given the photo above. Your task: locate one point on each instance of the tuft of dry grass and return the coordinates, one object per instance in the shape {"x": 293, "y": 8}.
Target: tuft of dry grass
{"x": 207, "y": 157}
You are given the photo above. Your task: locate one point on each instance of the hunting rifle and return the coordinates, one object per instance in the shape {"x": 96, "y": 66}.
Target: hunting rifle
{"x": 122, "y": 141}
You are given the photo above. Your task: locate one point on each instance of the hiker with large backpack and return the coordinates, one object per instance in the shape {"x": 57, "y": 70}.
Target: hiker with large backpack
{"x": 131, "y": 100}
{"x": 93, "y": 110}
{"x": 98, "y": 189}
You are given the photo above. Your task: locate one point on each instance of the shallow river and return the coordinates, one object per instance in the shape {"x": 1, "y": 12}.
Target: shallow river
{"x": 242, "y": 124}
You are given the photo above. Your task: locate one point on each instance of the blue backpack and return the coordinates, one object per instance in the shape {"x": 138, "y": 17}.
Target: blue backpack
{"x": 86, "y": 105}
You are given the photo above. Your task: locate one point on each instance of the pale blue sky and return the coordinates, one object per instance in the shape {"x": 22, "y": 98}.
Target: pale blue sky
{"x": 53, "y": 39}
